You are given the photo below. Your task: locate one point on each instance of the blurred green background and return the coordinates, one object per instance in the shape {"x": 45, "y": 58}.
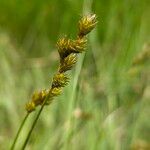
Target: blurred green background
{"x": 106, "y": 106}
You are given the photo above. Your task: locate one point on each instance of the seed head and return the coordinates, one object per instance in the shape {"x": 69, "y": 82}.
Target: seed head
{"x": 68, "y": 46}
{"x": 55, "y": 91}
{"x": 87, "y": 24}
{"x": 30, "y": 106}
{"x": 60, "y": 80}
{"x": 68, "y": 63}
{"x": 38, "y": 97}
{"x": 68, "y": 50}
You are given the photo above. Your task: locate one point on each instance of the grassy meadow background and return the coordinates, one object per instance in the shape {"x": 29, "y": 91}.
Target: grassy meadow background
{"x": 106, "y": 106}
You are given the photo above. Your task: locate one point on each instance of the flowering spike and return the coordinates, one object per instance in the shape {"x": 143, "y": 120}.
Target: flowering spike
{"x": 30, "y": 106}
{"x": 60, "y": 80}
{"x": 68, "y": 46}
{"x": 55, "y": 91}
{"x": 68, "y": 63}
{"x": 87, "y": 24}
{"x": 38, "y": 97}
{"x": 68, "y": 50}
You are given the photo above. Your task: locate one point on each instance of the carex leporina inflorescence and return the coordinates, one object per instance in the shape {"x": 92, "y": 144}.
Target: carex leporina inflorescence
{"x": 68, "y": 50}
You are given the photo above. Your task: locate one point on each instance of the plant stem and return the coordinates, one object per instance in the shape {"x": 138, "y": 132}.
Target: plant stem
{"x": 33, "y": 124}
{"x": 19, "y": 131}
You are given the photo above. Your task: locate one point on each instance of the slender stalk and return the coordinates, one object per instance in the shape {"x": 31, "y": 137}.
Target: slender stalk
{"x": 19, "y": 131}
{"x": 33, "y": 124}
{"x": 32, "y": 127}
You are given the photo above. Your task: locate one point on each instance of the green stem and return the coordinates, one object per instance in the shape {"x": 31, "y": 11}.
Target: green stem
{"x": 33, "y": 124}
{"x": 19, "y": 131}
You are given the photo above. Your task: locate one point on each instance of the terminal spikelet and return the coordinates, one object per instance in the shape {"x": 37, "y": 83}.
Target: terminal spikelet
{"x": 87, "y": 24}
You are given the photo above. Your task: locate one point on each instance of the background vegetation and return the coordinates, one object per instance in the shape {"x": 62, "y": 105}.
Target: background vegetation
{"x": 106, "y": 105}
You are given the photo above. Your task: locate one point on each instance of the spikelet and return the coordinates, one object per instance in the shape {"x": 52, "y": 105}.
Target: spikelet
{"x": 87, "y": 24}
{"x": 60, "y": 80}
{"x": 68, "y": 46}
{"x": 68, "y": 63}
{"x": 37, "y": 99}
{"x": 55, "y": 91}
{"x": 30, "y": 106}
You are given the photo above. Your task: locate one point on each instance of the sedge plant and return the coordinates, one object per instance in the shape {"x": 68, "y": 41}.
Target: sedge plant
{"x": 68, "y": 50}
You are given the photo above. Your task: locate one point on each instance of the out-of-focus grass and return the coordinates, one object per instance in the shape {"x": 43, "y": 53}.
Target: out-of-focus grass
{"x": 106, "y": 105}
